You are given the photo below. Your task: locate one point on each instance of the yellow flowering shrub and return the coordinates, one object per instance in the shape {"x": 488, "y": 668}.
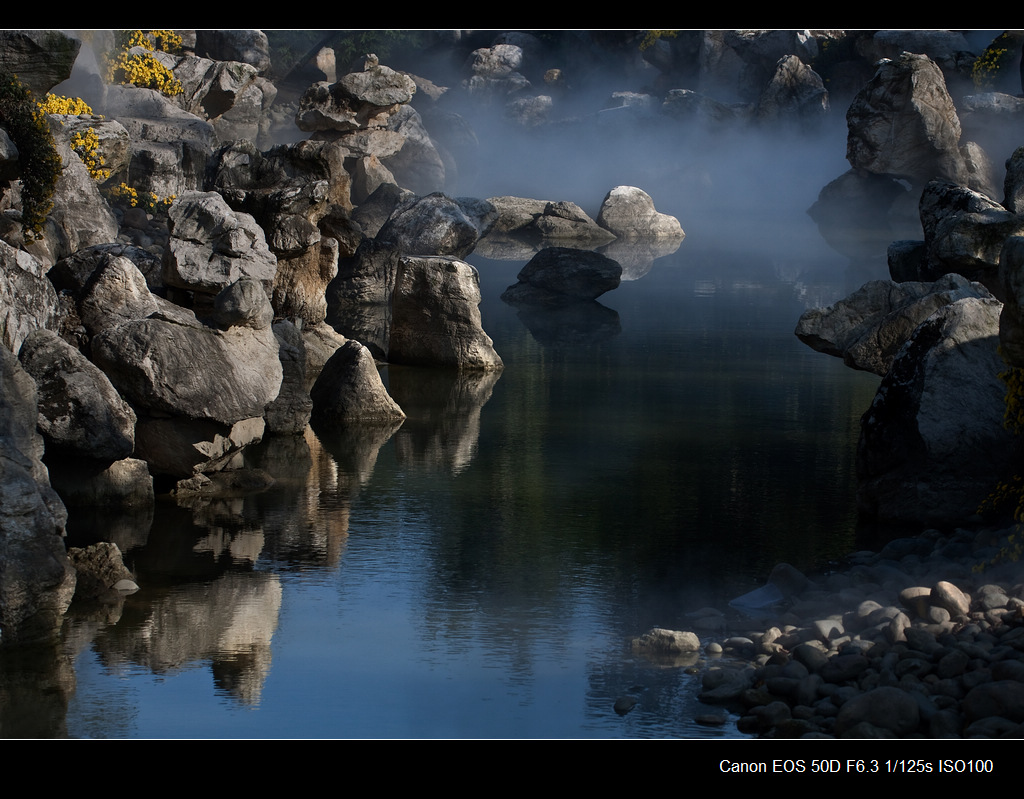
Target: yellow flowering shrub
{"x": 67, "y": 106}
{"x": 87, "y": 146}
{"x": 997, "y": 57}
{"x": 143, "y": 69}
{"x": 148, "y": 201}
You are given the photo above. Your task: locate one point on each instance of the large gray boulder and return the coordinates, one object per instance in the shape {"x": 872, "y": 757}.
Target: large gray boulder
{"x": 933, "y": 445}
{"x": 867, "y": 328}
{"x": 170, "y": 363}
{"x": 27, "y": 299}
{"x": 212, "y": 246}
{"x": 80, "y": 412}
{"x": 437, "y": 225}
{"x": 436, "y": 316}
{"x": 629, "y": 212}
{"x": 560, "y": 275}
{"x": 964, "y": 232}
{"x": 903, "y": 122}
{"x": 349, "y": 390}
{"x": 36, "y": 577}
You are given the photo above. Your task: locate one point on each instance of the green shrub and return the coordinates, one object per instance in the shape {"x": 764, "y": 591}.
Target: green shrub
{"x": 40, "y": 164}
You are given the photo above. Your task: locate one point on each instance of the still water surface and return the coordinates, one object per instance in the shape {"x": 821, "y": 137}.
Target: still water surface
{"x": 479, "y": 572}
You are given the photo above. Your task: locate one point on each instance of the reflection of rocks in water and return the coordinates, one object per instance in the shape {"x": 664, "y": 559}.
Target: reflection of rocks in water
{"x": 636, "y": 256}
{"x": 576, "y": 324}
{"x": 127, "y": 527}
{"x": 199, "y": 541}
{"x": 229, "y": 621}
{"x": 35, "y": 686}
{"x": 307, "y": 481}
{"x": 442, "y": 407}
{"x": 354, "y": 447}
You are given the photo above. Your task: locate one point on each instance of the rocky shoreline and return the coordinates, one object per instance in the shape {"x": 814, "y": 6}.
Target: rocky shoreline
{"x": 924, "y": 639}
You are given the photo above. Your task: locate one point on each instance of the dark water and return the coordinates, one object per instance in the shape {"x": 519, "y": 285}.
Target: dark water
{"x": 479, "y": 571}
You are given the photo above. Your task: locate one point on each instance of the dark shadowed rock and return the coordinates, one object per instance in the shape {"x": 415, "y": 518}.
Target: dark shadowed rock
{"x": 932, "y": 444}
{"x": 964, "y": 232}
{"x": 560, "y": 274}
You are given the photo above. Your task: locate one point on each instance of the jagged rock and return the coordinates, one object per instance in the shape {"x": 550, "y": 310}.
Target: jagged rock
{"x": 100, "y": 568}
{"x": 794, "y": 92}
{"x": 359, "y": 100}
{"x": 170, "y": 147}
{"x": 868, "y": 328}
{"x": 40, "y": 58}
{"x": 629, "y": 212}
{"x": 437, "y": 225}
{"x": 932, "y": 444}
{"x": 27, "y": 299}
{"x": 546, "y": 220}
{"x": 169, "y": 362}
{"x": 904, "y": 123}
{"x": 964, "y": 232}
{"x": 36, "y": 578}
{"x": 79, "y": 410}
{"x": 349, "y": 390}
{"x": 212, "y": 246}
{"x": 418, "y": 165}
{"x": 436, "y": 318}
{"x": 80, "y": 216}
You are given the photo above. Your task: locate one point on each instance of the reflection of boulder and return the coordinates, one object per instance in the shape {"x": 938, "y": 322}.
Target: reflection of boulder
{"x": 354, "y": 448}
{"x": 443, "y": 408}
{"x": 575, "y": 324}
{"x": 229, "y": 620}
{"x": 637, "y": 256}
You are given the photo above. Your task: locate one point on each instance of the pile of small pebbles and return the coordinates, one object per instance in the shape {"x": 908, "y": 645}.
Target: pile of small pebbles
{"x": 922, "y": 640}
